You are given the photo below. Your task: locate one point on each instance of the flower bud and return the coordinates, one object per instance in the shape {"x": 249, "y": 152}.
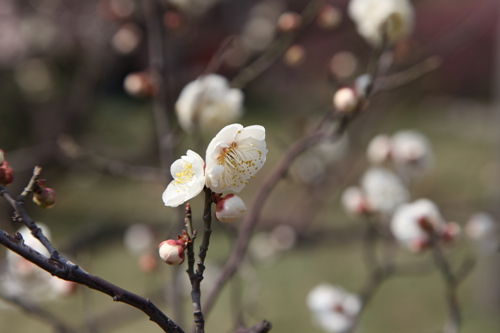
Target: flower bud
{"x": 6, "y": 173}
{"x": 289, "y": 21}
{"x": 44, "y": 196}
{"x": 294, "y": 56}
{"x": 139, "y": 84}
{"x": 230, "y": 208}
{"x": 329, "y": 17}
{"x": 172, "y": 251}
{"x": 345, "y": 100}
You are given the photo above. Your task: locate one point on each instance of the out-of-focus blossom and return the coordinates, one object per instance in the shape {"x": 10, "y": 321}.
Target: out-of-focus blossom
{"x": 43, "y": 195}
{"x": 260, "y": 28}
{"x": 379, "y": 149}
{"x": 345, "y": 100}
{"x": 289, "y": 21}
{"x": 188, "y": 179}
{"x": 411, "y": 153}
{"x": 343, "y": 64}
{"x": 415, "y": 223}
{"x": 234, "y": 156}
{"x": 208, "y": 103}
{"x": 230, "y": 208}
{"x": 379, "y": 19}
{"x": 148, "y": 262}
{"x": 138, "y": 239}
{"x": 6, "y": 173}
{"x": 294, "y": 56}
{"x": 22, "y": 278}
{"x": 127, "y": 38}
{"x": 383, "y": 190}
{"x": 121, "y": 9}
{"x": 283, "y": 237}
{"x": 329, "y": 17}
{"x": 35, "y": 79}
{"x": 484, "y": 231}
{"x": 139, "y": 84}
{"x": 354, "y": 201}
{"x": 333, "y": 308}
{"x": 266, "y": 246}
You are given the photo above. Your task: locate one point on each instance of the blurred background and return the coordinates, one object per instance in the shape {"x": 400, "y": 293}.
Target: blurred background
{"x": 79, "y": 96}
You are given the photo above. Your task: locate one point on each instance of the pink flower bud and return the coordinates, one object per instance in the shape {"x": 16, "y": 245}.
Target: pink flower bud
{"x": 6, "y": 173}
{"x": 345, "y": 100}
{"x": 172, "y": 251}
{"x": 44, "y": 196}
{"x": 289, "y": 21}
{"x": 230, "y": 208}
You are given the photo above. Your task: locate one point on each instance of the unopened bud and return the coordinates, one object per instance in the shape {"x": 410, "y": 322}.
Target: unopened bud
{"x": 139, "y": 84}
{"x": 294, "y": 56}
{"x": 289, "y": 21}
{"x": 329, "y": 17}
{"x": 230, "y": 208}
{"x": 354, "y": 201}
{"x": 345, "y": 100}
{"x": 6, "y": 173}
{"x": 172, "y": 251}
{"x": 450, "y": 232}
{"x": 379, "y": 149}
{"x": 44, "y": 196}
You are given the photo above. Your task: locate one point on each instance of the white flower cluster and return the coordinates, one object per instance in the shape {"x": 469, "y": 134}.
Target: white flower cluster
{"x": 232, "y": 158}
{"x": 333, "y": 308}
{"x": 415, "y": 224}
{"x": 21, "y": 278}
{"x": 208, "y": 103}
{"x": 409, "y": 151}
{"x": 377, "y": 20}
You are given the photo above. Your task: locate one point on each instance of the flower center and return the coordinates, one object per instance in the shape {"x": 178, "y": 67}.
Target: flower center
{"x": 185, "y": 175}
{"x": 228, "y": 155}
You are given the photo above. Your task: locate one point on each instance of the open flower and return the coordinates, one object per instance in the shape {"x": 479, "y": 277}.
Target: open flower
{"x": 188, "y": 182}
{"x": 333, "y": 308}
{"x": 414, "y": 223}
{"x": 411, "y": 153}
{"x": 376, "y": 18}
{"x": 234, "y": 156}
{"x": 208, "y": 103}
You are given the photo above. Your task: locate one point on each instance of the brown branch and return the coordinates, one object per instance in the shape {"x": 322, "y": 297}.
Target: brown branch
{"x": 38, "y": 312}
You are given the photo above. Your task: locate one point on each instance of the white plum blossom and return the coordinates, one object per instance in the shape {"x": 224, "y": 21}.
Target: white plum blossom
{"x": 188, "y": 179}
{"x": 383, "y": 190}
{"x": 413, "y": 223}
{"x": 484, "y": 231}
{"x": 208, "y": 103}
{"x": 379, "y": 19}
{"x": 379, "y": 149}
{"x": 234, "y": 156}
{"x": 333, "y": 308}
{"x": 411, "y": 152}
{"x": 230, "y": 208}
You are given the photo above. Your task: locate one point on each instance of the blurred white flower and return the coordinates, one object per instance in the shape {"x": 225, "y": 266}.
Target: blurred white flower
{"x": 376, "y": 18}
{"x": 234, "y": 156}
{"x": 412, "y": 224}
{"x": 345, "y": 100}
{"x": 383, "y": 190}
{"x": 354, "y": 201}
{"x": 188, "y": 179}
{"x": 411, "y": 153}
{"x": 484, "y": 231}
{"x": 379, "y": 149}
{"x": 260, "y": 28}
{"x": 138, "y": 239}
{"x": 230, "y": 208}
{"x": 208, "y": 103}
{"x": 21, "y": 278}
{"x": 333, "y": 308}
